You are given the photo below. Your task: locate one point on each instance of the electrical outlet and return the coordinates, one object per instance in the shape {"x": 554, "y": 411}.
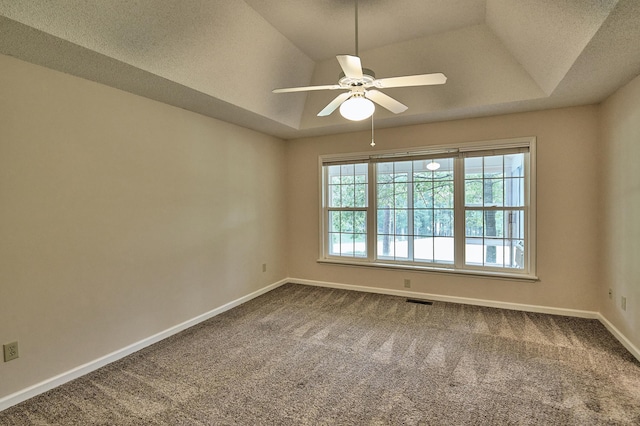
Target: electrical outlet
{"x": 407, "y": 283}
{"x": 10, "y": 351}
{"x": 623, "y": 303}
{"x": 610, "y": 294}
{"x": 264, "y": 267}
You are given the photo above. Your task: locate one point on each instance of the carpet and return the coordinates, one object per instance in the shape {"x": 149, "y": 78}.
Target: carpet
{"x": 302, "y": 355}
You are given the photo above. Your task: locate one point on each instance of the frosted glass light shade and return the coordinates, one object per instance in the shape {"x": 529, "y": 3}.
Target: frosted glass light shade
{"x": 357, "y": 108}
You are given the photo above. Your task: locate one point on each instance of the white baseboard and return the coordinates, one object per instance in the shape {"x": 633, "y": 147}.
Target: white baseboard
{"x": 454, "y": 299}
{"x": 482, "y": 302}
{"x": 30, "y": 392}
{"x": 621, "y": 337}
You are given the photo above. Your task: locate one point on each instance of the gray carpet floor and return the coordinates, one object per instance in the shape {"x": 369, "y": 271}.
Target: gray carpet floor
{"x": 302, "y": 355}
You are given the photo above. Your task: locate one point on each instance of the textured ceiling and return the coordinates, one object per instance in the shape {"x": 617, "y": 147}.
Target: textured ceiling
{"x": 222, "y": 58}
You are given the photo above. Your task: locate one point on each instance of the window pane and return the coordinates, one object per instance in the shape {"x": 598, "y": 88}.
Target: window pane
{"x": 386, "y": 246}
{"x": 443, "y": 194}
{"x": 514, "y": 224}
{"x": 385, "y": 196}
{"x": 334, "y": 174}
{"x": 334, "y": 244}
{"x": 400, "y": 195}
{"x": 401, "y": 222}
{"x": 401, "y": 248}
{"x": 361, "y": 172}
{"x": 513, "y": 254}
{"x": 445, "y": 172}
{"x": 386, "y": 221}
{"x": 517, "y": 250}
{"x": 361, "y": 195}
{"x": 493, "y": 253}
{"x": 334, "y": 221}
{"x": 493, "y": 223}
{"x": 423, "y": 194}
{"x": 514, "y": 192}
{"x": 493, "y": 167}
{"x": 474, "y": 225}
{"x": 420, "y": 171}
{"x": 334, "y": 196}
{"x": 519, "y": 225}
{"x": 423, "y": 222}
{"x": 474, "y": 251}
{"x": 400, "y": 178}
{"x": 493, "y": 192}
{"x": 473, "y": 168}
{"x": 347, "y": 170}
{"x": 346, "y": 243}
{"x": 443, "y": 251}
{"x": 443, "y": 223}
{"x": 473, "y": 193}
{"x": 385, "y": 172}
{"x": 346, "y": 222}
{"x": 423, "y": 249}
{"x": 348, "y": 196}
{"x": 514, "y": 165}
{"x": 360, "y": 222}
{"x": 360, "y": 245}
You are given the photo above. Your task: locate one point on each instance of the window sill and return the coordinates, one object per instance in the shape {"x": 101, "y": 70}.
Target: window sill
{"x": 437, "y": 270}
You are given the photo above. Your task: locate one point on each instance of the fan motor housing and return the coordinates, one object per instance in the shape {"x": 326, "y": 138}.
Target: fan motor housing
{"x": 368, "y": 77}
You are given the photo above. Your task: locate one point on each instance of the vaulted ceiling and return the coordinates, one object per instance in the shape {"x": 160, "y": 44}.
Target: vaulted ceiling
{"x": 222, "y": 58}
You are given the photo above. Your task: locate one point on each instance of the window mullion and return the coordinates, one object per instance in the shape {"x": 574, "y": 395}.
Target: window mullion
{"x": 458, "y": 212}
{"x": 372, "y": 224}
{"x": 324, "y": 202}
{"x": 410, "y": 207}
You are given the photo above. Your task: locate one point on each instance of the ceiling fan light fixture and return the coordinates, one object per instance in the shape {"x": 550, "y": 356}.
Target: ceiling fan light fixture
{"x": 357, "y": 108}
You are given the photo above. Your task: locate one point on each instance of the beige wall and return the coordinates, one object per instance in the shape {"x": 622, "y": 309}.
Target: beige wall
{"x": 620, "y": 191}
{"x": 121, "y": 217}
{"x": 567, "y": 237}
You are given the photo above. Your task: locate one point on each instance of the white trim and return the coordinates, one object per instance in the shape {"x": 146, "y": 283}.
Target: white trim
{"x": 621, "y": 337}
{"x": 48, "y": 384}
{"x": 449, "y": 148}
{"x": 454, "y": 299}
{"x": 440, "y": 269}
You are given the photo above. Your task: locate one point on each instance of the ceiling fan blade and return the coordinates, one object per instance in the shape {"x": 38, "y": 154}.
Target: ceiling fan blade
{"x": 307, "y": 88}
{"x": 351, "y": 66}
{"x": 334, "y": 104}
{"x": 411, "y": 80}
{"x": 385, "y": 101}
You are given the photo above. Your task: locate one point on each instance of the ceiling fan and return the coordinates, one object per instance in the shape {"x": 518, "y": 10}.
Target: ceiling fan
{"x": 362, "y": 85}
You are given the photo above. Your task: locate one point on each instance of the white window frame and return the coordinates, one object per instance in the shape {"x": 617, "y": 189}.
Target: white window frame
{"x": 457, "y": 151}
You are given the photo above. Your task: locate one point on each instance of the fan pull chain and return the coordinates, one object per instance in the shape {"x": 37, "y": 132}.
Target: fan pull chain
{"x": 373, "y": 143}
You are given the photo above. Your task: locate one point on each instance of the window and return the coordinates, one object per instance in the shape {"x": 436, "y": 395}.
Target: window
{"x": 347, "y": 190}
{"x": 415, "y": 211}
{"x": 468, "y": 208}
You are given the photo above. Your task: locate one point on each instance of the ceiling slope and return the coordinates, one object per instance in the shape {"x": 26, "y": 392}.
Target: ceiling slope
{"x": 222, "y": 58}
{"x": 547, "y": 36}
